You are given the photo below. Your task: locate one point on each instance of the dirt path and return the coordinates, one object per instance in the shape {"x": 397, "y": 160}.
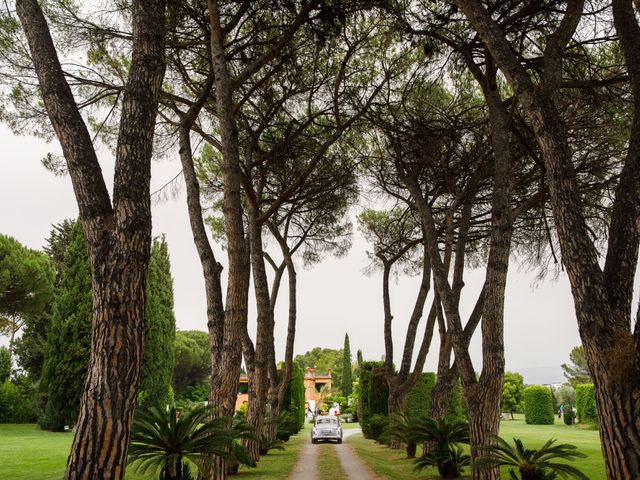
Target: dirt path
{"x": 353, "y": 467}
{"x": 306, "y": 467}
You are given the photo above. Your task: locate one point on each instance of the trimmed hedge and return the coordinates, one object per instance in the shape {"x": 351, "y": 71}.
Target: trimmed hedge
{"x": 364, "y": 411}
{"x": 586, "y": 403}
{"x": 378, "y": 398}
{"x": 418, "y": 399}
{"x": 538, "y": 405}
{"x": 294, "y": 399}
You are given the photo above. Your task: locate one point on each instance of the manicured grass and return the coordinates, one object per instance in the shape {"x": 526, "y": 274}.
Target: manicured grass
{"x": 278, "y": 464}
{"x": 386, "y": 463}
{"x": 28, "y": 453}
{"x": 329, "y": 466}
{"x": 534, "y": 436}
{"x": 392, "y": 464}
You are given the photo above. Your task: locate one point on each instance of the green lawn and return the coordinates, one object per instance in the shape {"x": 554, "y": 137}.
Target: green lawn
{"x": 28, "y": 453}
{"x": 277, "y": 464}
{"x": 392, "y": 464}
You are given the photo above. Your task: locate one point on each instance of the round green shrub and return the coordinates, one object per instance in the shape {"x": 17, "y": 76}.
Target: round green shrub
{"x": 378, "y": 425}
{"x": 538, "y": 405}
{"x": 568, "y": 417}
{"x": 586, "y": 403}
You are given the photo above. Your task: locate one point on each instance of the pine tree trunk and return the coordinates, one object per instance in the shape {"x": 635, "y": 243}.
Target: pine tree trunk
{"x": 397, "y": 397}
{"x": 225, "y": 374}
{"x": 118, "y": 235}
{"x": 613, "y": 351}
{"x": 483, "y": 402}
{"x": 101, "y": 440}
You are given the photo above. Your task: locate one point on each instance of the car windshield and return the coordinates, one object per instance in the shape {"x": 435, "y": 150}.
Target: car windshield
{"x": 326, "y": 421}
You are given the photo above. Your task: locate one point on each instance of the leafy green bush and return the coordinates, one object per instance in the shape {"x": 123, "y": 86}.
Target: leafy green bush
{"x": 419, "y": 397}
{"x": 378, "y": 392}
{"x": 362, "y": 387}
{"x": 16, "y": 404}
{"x": 195, "y": 393}
{"x": 287, "y": 426}
{"x": 586, "y": 403}
{"x": 538, "y": 405}
{"x": 378, "y": 425}
{"x": 567, "y": 416}
{"x": 457, "y": 406}
{"x": 294, "y": 398}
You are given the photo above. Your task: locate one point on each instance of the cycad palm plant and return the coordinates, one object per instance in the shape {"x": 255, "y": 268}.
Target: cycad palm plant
{"x": 445, "y": 436}
{"x": 544, "y": 463}
{"x": 163, "y": 439}
{"x": 402, "y": 430}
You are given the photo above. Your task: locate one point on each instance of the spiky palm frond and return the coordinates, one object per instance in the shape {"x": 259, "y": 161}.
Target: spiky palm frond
{"x": 402, "y": 428}
{"x": 533, "y": 463}
{"x": 441, "y": 432}
{"x": 164, "y": 438}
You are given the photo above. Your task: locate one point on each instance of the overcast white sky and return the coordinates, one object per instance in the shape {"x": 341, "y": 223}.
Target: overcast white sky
{"x": 334, "y": 297}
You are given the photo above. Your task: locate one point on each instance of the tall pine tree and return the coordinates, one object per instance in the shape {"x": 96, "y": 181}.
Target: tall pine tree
{"x": 347, "y": 378}
{"x": 68, "y": 338}
{"x": 159, "y": 352}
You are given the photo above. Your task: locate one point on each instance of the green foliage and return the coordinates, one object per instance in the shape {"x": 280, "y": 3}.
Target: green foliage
{"x": 192, "y": 359}
{"x": 16, "y": 401}
{"x": 538, "y": 405}
{"x": 30, "y": 348}
{"x": 547, "y": 462}
{"x": 445, "y": 436}
{"x": 69, "y": 339}
{"x": 378, "y": 392}
{"x": 162, "y": 439}
{"x": 457, "y": 409}
{"x": 364, "y": 411}
{"x": 512, "y": 392}
{"x": 196, "y": 393}
{"x": 159, "y": 351}
{"x": 378, "y": 424}
{"x": 418, "y": 399}
{"x": 577, "y": 371}
{"x": 294, "y": 399}
{"x": 323, "y": 359}
{"x": 347, "y": 374}
{"x": 568, "y": 417}
{"x": 26, "y": 283}
{"x": 566, "y": 395}
{"x": 267, "y": 444}
{"x": 586, "y": 403}
{"x": 5, "y": 364}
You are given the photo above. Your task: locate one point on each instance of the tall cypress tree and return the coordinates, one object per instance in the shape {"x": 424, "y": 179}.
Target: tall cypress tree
{"x": 159, "y": 352}
{"x": 347, "y": 378}
{"x": 68, "y": 338}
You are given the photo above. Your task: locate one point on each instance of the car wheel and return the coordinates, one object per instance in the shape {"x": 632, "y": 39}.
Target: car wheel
{"x": 339, "y": 440}
{"x": 314, "y": 441}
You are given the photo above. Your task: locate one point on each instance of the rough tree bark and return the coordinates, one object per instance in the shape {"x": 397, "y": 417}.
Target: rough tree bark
{"x": 257, "y": 411}
{"x": 604, "y": 320}
{"x": 401, "y": 383}
{"x": 118, "y": 235}
{"x": 483, "y": 394}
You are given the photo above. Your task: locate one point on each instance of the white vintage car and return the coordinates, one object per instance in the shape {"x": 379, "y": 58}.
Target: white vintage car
{"x": 326, "y": 427}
